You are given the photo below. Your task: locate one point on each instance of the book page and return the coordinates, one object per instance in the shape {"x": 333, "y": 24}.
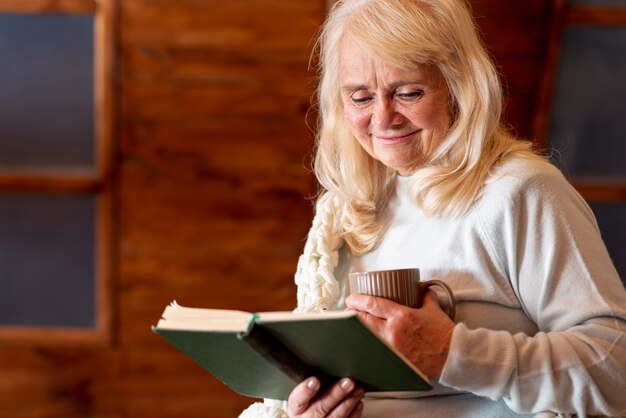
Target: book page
{"x": 180, "y": 317}
{"x": 292, "y": 316}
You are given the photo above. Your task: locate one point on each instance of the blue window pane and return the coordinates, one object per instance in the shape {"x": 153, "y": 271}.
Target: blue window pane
{"x": 47, "y": 258}
{"x": 588, "y": 121}
{"x": 612, "y": 221}
{"x": 47, "y": 99}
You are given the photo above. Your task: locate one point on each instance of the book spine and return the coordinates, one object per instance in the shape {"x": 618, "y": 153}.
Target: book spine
{"x": 271, "y": 349}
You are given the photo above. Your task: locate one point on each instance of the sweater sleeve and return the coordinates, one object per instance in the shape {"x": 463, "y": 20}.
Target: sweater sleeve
{"x": 548, "y": 245}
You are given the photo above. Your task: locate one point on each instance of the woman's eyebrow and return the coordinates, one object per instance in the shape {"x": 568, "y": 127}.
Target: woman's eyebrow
{"x": 348, "y": 87}
{"x": 353, "y": 87}
{"x": 401, "y": 83}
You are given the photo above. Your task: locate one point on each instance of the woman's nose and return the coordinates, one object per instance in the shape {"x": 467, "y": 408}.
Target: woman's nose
{"x": 385, "y": 115}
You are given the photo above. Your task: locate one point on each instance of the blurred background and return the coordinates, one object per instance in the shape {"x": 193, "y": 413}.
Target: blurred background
{"x": 155, "y": 150}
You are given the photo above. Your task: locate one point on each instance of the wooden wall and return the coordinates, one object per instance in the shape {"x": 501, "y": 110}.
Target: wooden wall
{"x": 516, "y": 33}
{"x": 214, "y": 188}
{"x": 212, "y": 184}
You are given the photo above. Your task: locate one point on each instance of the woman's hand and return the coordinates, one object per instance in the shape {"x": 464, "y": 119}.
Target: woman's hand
{"x": 341, "y": 400}
{"x": 422, "y": 335}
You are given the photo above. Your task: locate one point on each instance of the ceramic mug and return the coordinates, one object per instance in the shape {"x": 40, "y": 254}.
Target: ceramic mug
{"x": 402, "y": 286}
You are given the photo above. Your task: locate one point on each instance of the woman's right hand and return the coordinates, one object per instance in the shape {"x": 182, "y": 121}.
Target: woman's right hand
{"x": 341, "y": 400}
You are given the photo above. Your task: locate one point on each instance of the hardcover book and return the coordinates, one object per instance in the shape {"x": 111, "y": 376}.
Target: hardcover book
{"x": 265, "y": 355}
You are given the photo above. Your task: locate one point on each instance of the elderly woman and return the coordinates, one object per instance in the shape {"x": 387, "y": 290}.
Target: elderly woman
{"x": 418, "y": 171}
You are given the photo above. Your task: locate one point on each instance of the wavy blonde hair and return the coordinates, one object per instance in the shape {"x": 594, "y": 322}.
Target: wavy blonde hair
{"x": 405, "y": 33}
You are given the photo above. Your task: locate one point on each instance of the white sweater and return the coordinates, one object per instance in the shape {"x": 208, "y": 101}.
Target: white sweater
{"x": 541, "y": 311}
{"x": 541, "y": 314}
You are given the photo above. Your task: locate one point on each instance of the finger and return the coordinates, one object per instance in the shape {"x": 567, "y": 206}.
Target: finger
{"x": 330, "y": 400}
{"x": 377, "y": 306}
{"x": 357, "y": 411}
{"x": 347, "y": 407}
{"x": 300, "y": 397}
{"x": 372, "y": 322}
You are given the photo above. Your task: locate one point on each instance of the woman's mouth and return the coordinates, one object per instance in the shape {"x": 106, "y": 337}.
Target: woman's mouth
{"x": 394, "y": 139}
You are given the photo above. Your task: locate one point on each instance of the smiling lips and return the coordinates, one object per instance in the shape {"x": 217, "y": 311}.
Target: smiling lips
{"x": 395, "y": 139}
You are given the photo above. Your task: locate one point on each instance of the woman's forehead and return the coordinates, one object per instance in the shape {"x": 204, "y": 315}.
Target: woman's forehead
{"x": 358, "y": 62}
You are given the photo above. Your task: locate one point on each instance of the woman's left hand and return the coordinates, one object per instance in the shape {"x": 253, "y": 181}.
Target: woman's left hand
{"x": 422, "y": 335}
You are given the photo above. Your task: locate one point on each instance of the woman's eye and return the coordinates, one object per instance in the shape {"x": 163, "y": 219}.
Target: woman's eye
{"x": 360, "y": 99}
{"x": 412, "y": 95}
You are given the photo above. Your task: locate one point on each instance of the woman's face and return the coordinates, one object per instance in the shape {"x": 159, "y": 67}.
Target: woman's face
{"x": 398, "y": 115}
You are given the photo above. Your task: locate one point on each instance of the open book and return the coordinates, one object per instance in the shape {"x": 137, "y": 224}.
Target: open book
{"x": 265, "y": 355}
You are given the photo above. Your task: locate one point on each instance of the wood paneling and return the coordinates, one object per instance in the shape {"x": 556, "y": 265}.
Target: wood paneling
{"x": 212, "y": 185}
{"x": 214, "y": 207}
{"x": 51, "y": 182}
{"x": 516, "y": 33}
{"x": 48, "y": 6}
{"x": 597, "y": 17}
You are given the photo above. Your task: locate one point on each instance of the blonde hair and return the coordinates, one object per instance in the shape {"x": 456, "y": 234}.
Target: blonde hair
{"x": 440, "y": 33}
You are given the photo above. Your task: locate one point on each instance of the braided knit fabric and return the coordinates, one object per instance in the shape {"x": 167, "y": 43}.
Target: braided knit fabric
{"x": 318, "y": 289}
{"x": 270, "y": 408}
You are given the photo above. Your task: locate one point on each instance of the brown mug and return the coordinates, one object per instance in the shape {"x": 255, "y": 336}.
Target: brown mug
{"x": 402, "y": 286}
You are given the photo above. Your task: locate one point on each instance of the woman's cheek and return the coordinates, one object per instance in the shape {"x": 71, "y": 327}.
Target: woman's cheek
{"x": 358, "y": 120}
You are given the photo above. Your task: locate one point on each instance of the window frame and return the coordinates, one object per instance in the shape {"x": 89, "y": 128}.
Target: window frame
{"x": 594, "y": 190}
{"x": 98, "y": 181}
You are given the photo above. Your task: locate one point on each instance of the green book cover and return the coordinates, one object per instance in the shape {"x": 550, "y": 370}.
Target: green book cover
{"x": 266, "y": 355}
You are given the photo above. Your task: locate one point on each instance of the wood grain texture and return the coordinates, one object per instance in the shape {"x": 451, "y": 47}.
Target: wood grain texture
{"x": 516, "y": 34}
{"x": 49, "y": 6}
{"x": 597, "y": 17}
{"x": 214, "y": 157}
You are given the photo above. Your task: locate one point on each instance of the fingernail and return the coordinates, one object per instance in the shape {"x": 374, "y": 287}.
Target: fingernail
{"x": 346, "y": 384}
{"x": 312, "y": 384}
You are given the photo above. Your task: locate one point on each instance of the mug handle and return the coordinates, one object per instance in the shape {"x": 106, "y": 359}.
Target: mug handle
{"x": 451, "y": 309}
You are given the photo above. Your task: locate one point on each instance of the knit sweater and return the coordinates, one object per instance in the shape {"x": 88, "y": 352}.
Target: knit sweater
{"x": 541, "y": 311}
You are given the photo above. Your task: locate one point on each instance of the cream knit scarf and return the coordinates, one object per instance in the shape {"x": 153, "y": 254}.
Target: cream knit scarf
{"x": 318, "y": 289}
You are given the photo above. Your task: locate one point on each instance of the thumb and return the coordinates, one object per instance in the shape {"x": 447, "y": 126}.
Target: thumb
{"x": 300, "y": 398}
{"x": 432, "y": 302}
